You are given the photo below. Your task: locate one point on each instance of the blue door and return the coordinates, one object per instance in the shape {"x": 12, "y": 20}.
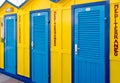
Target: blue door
{"x": 40, "y": 46}
{"x": 90, "y": 44}
{"x": 10, "y": 43}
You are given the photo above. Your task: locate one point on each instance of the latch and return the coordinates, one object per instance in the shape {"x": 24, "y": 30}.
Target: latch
{"x": 76, "y": 49}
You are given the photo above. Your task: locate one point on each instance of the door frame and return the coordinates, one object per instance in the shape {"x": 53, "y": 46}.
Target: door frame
{"x": 107, "y": 39}
{"x": 49, "y": 36}
{"x": 15, "y": 38}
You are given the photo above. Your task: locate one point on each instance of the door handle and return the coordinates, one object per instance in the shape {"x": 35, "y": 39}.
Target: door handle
{"x": 5, "y": 40}
{"x": 32, "y": 44}
{"x": 76, "y": 49}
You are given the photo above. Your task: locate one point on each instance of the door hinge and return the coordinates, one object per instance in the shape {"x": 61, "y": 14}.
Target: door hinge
{"x": 106, "y": 19}
{"x": 49, "y": 21}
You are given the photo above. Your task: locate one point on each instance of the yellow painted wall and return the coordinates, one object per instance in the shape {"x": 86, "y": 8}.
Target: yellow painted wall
{"x": 114, "y": 1}
{"x": 86, "y": 1}
{"x": 23, "y": 45}
{"x": 114, "y": 60}
{"x": 1, "y": 45}
{"x": 61, "y": 53}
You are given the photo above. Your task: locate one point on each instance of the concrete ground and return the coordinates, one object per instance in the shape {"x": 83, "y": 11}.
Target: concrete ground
{"x": 7, "y": 79}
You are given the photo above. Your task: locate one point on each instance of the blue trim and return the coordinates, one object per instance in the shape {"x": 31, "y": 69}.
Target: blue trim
{"x": 19, "y": 77}
{"x": 36, "y": 11}
{"x": 55, "y": 1}
{"x": 107, "y": 40}
{"x": 73, "y": 43}
{"x": 49, "y": 36}
{"x": 30, "y": 46}
{"x": 15, "y": 5}
{"x": 89, "y": 4}
{"x": 3, "y": 4}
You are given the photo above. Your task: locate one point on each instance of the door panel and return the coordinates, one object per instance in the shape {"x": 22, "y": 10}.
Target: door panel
{"x": 10, "y": 43}
{"x": 40, "y": 46}
{"x": 89, "y": 45}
